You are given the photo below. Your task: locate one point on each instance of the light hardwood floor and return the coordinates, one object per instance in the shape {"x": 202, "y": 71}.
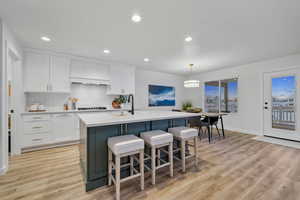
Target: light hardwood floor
{"x": 234, "y": 168}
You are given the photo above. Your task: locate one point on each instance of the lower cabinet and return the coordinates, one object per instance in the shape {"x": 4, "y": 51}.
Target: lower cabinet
{"x": 42, "y": 130}
{"x": 64, "y": 128}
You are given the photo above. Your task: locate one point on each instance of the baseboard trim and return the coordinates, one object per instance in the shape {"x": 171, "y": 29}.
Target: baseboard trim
{"x": 251, "y": 132}
{"x": 49, "y": 146}
{"x": 3, "y": 170}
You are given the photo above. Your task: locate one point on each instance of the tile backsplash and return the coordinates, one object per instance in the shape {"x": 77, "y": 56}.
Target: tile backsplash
{"x": 87, "y": 95}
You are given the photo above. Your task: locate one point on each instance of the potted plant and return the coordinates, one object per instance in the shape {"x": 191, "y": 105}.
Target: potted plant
{"x": 186, "y": 106}
{"x": 118, "y": 102}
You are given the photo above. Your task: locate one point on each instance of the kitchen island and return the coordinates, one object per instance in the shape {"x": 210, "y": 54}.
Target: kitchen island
{"x": 95, "y": 128}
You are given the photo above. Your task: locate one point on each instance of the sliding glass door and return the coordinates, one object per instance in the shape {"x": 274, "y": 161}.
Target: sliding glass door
{"x": 221, "y": 96}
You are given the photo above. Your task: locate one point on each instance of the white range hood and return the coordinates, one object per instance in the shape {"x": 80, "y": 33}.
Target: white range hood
{"x": 89, "y": 72}
{"x": 88, "y": 81}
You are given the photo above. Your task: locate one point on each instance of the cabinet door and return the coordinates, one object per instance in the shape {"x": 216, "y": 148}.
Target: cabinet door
{"x": 60, "y": 74}
{"x": 122, "y": 80}
{"x": 64, "y": 128}
{"x": 36, "y": 72}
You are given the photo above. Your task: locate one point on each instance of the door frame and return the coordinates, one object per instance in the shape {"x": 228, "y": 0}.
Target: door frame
{"x": 7, "y": 50}
{"x": 16, "y": 63}
{"x": 283, "y": 71}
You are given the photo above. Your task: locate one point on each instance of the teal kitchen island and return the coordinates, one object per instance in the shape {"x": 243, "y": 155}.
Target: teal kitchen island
{"x": 95, "y": 128}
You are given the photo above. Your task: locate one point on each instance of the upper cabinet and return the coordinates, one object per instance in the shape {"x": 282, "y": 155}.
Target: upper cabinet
{"x": 55, "y": 73}
{"x": 122, "y": 80}
{"x": 36, "y": 72}
{"x": 59, "y": 74}
{"x": 46, "y": 73}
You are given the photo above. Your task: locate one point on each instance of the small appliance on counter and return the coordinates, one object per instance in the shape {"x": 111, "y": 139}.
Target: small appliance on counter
{"x": 37, "y": 108}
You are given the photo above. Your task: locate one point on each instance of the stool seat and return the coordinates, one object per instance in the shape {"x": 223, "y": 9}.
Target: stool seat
{"x": 125, "y": 144}
{"x": 183, "y": 132}
{"x": 157, "y": 137}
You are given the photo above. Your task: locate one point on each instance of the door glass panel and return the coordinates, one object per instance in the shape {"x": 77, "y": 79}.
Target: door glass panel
{"x": 212, "y": 96}
{"x": 283, "y": 102}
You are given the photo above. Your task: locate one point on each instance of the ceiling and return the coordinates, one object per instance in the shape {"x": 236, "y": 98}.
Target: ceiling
{"x": 225, "y": 33}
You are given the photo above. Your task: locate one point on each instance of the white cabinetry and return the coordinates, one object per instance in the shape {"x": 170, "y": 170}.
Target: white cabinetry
{"x": 59, "y": 74}
{"x": 37, "y": 130}
{"x": 46, "y": 73}
{"x": 42, "y": 130}
{"x": 122, "y": 80}
{"x": 64, "y": 128}
{"x": 36, "y": 72}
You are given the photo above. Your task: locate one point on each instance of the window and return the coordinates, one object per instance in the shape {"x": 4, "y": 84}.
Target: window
{"x": 221, "y": 96}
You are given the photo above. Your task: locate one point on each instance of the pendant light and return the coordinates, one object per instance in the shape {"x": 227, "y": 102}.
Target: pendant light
{"x": 191, "y": 83}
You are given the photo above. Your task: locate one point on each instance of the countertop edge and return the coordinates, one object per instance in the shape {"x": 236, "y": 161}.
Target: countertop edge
{"x": 71, "y": 111}
{"x": 187, "y": 115}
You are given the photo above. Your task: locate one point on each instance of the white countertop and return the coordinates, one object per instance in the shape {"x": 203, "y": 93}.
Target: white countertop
{"x": 111, "y": 118}
{"x": 71, "y": 111}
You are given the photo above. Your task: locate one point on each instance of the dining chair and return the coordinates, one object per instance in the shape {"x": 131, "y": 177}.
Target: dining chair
{"x": 211, "y": 121}
{"x": 200, "y": 124}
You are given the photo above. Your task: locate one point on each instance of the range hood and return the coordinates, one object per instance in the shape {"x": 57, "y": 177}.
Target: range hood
{"x": 89, "y": 81}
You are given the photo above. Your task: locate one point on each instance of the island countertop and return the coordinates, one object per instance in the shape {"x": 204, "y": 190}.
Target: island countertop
{"x": 104, "y": 119}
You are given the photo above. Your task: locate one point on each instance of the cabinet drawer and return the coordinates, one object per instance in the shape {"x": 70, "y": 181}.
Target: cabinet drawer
{"x": 36, "y": 127}
{"x": 29, "y": 118}
{"x": 37, "y": 139}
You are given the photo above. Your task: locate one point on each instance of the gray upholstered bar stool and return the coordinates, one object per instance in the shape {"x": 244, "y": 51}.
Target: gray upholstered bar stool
{"x": 156, "y": 140}
{"x": 184, "y": 134}
{"x": 121, "y": 146}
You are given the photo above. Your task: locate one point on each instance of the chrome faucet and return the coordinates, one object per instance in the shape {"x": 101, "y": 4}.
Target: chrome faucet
{"x": 132, "y": 103}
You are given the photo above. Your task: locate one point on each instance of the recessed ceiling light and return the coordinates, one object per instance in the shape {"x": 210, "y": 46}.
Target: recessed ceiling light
{"x": 136, "y": 18}
{"x": 45, "y": 38}
{"x": 188, "y": 39}
{"x": 146, "y": 59}
{"x": 106, "y": 51}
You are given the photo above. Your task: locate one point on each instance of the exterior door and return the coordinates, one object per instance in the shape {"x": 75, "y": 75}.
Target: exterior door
{"x": 281, "y": 107}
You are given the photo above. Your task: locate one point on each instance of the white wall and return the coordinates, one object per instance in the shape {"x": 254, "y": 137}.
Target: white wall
{"x": 9, "y": 46}
{"x": 143, "y": 78}
{"x": 249, "y": 118}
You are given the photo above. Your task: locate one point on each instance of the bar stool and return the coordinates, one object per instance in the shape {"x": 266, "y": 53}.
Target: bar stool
{"x": 121, "y": 146}
{"x": 156, "y": 140}
{"x": 183, "y": 134}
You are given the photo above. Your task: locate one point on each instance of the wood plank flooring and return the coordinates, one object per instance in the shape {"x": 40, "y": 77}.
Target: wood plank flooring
{"x": 233, "y": 168}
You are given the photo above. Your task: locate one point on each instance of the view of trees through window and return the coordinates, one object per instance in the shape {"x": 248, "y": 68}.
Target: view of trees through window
{"x": 221, "y": 96}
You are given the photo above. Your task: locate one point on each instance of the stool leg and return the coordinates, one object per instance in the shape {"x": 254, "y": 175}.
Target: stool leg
{"x": 142, "y": 169}
{"x": 182, "y": 150}
{"x": 131, "y": 165}
{"x": 196, "y": 150}
{"x": 118, "y": 177}
{"x": 109, "y": 166}
{"x": 153, "y": 165}
{"x": 158, "y": 157}
{"x": 171, "y": 158}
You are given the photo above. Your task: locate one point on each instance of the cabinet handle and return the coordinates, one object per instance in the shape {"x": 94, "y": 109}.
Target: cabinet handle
{"x": 36, "y": 118}
{"x": 37, "y": 127}
{"x": 37, "y": 139}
